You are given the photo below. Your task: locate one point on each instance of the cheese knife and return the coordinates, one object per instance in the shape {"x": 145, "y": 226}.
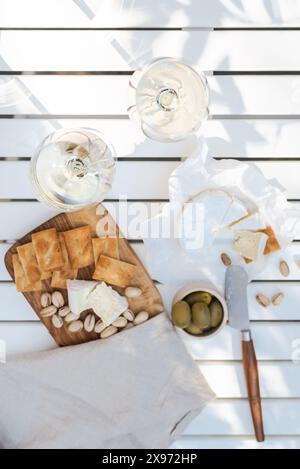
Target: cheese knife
{"x": 236, "y": 282}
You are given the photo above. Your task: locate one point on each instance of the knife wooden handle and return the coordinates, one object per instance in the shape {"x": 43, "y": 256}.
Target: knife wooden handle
{"x": 252, "y": 381}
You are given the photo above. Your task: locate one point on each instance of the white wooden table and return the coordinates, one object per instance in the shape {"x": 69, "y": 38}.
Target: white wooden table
{"x": 66, "y": 63}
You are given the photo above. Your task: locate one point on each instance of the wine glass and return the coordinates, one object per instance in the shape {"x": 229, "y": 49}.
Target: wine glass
{"x": 73, "y": 168}
{"x": 169, "y": 99}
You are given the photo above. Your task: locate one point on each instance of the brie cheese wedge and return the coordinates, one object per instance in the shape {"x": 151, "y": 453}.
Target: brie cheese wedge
{"x": 78, "y": 291}
{"x": 107, "y": 303}
{"x": 249, "y": 244}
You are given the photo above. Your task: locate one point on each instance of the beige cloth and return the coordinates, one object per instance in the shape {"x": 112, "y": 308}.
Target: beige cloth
{"x": 138, "y": 389}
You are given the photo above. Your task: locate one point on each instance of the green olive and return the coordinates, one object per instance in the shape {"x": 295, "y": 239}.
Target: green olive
{"x": 193, "y": 329}
{"x": 198, "y": 297}
{"x": 201, "y": 315}
{"x": 216, "y": 312}
{"x": 181, "y": 314}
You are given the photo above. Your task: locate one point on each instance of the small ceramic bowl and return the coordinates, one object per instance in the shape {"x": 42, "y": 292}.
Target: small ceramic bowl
{"x": 209, "y": 288}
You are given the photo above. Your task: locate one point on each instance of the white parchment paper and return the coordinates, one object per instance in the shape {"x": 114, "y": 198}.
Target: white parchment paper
{"x": 169, "y": 262}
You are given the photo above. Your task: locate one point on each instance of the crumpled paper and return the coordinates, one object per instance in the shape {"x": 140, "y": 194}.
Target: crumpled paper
{"x": 168, "y": 261}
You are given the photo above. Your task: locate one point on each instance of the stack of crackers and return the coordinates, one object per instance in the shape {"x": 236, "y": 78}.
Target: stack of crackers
{"x": 57, "y": 257}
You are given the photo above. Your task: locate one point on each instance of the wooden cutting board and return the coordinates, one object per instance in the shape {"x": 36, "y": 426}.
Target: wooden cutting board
{"x": 95, "y": 216}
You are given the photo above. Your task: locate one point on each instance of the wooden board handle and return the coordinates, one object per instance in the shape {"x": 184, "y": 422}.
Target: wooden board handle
{"x": 252, "y": 381}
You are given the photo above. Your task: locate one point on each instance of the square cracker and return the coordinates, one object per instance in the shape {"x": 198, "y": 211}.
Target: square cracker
{"x": 113, "y": 271}
{"x": 60, "y": 277}
{"x": 108, "y": 246}
{"x": 66, "y": 261}
{"x": 20, "y": 280}
{"x": 47, "y": 250}
{"x": 29, "y": 263}
{"x": 79, "y": 246}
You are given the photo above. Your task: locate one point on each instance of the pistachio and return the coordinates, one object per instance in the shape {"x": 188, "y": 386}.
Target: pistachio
{"x": 58, "y": 299}
{"x": 133, "y": 292}
{"x": 45, "y": 300}
{"x": 57, "y": 321}
{"x": 142, "y": 316}
{"x": 129, "y": 315}
{"x": 99, "y": 327}
{"x": 225, "y": 259}
{"x": 75, "y": 326}
{"x": 120, "y": 322}
{"x": 129, "y": 325}
{"x": 108, "y": 331}
{"x": 71, "y": 317}
{"x": 64, "y": 311}
{"x": 193, "y": 329}
{"x": 89, "y": 322}
{"x": 277, "y": 299}
{"x": 48, "y": 311}
{"x": 263, "y": 300}
{"x": 284, "y": 268}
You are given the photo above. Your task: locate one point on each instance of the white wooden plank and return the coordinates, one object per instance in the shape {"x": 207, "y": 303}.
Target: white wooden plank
{"x": 277, "y": 379}
{"x": 226, "y": 138}
{"x": 24, "y": 338}
{"x": 273, "y": 341}
{"x": 35, "y": 213}
{"x": 281, "y": 416}
{"x": 134, "y": 180}
{"x": 22, "y": 136}
{"x": 93, "y": 95}
{"x": 271, "y": 272}
{"x": 140, "y": 13}
{"x": 236, "y": 442}
{"x": 140, "y": 179}
{"x": 125, "y": 50}
{"x": 15, "y": 308}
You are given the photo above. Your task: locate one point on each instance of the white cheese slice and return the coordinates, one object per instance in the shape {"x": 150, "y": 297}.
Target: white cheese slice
{"x": 78, "y": 291}
{"x": 253, "y": 222}
{"x": 107, "y": 303}
{"x": 249, "y": 244}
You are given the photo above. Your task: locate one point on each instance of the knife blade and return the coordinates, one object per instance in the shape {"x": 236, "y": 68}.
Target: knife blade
{"x": 236, "y": 282}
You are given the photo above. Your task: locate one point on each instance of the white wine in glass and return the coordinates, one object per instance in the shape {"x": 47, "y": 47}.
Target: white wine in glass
{"x": 169, "y": 99}
{"x": 73, "y": 168}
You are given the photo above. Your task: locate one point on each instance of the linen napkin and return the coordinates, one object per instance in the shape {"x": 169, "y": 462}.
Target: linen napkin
{"x": 137, "y": 389}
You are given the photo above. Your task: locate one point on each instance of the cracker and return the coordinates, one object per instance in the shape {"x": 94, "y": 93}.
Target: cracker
{"x": 113, "y": 271}
{"x": 29, "y": 263}
{"x": 79, "y": 246}
{"x": 66, "y": 261}
{"x": 272, "y": 244}
{"x": 47, "y": 250}
{"x": 60, "y": 277}
{"x": 108, "y": 246}
{"x": 22, "y": 284}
